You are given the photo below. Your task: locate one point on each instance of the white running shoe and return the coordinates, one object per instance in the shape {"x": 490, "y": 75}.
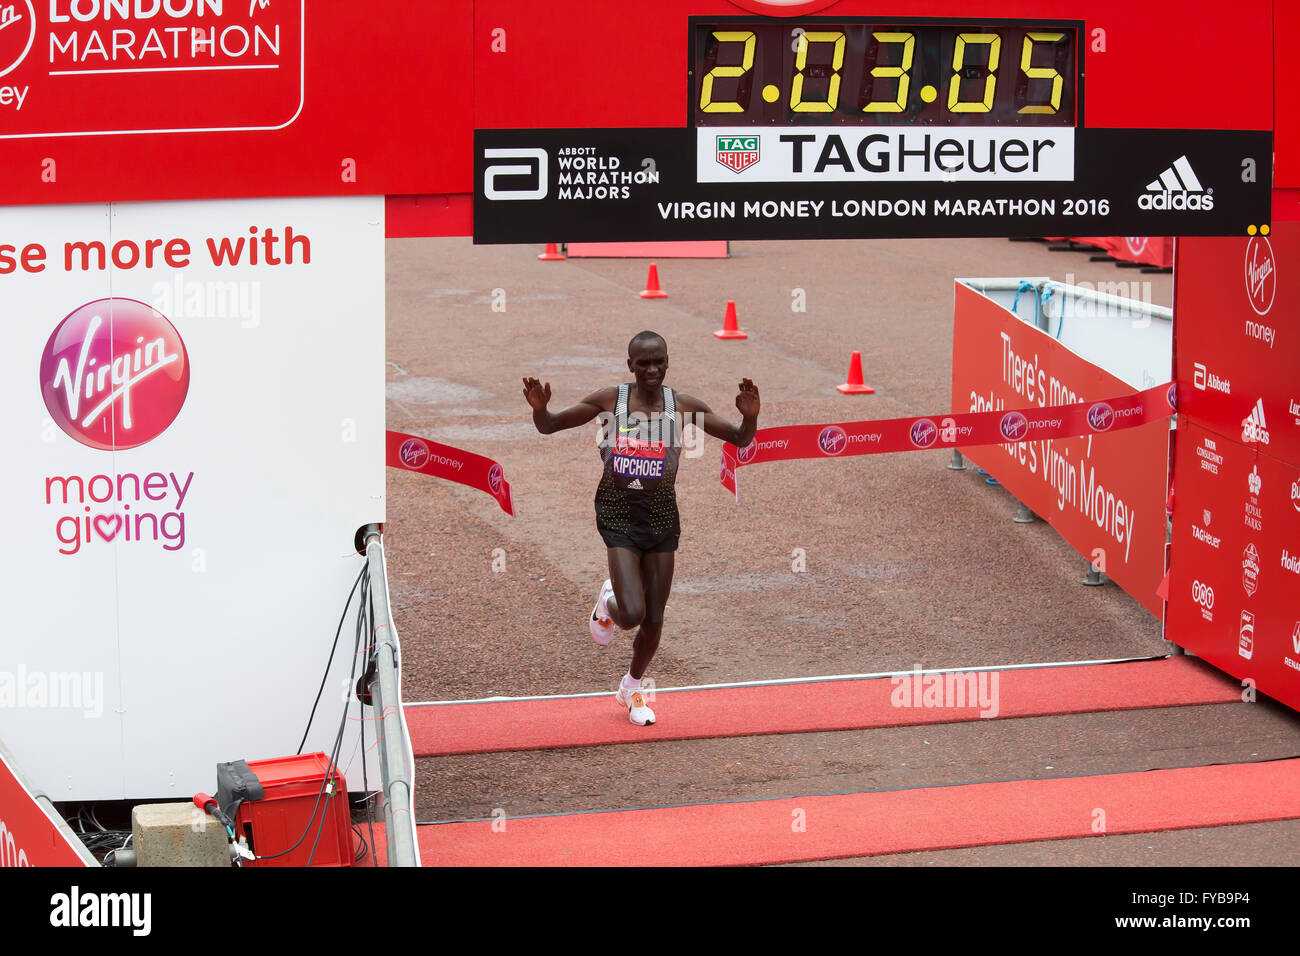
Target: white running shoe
{"x": 602, "y": 626}
{"x": 637, "y": 711}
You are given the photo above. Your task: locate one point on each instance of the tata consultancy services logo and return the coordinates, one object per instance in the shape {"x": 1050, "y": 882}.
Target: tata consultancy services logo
{"x": 17, "y": 31}
{"x": 1261, "y": 274}
{"x": 737, "y": 153}
{"x": 114, "y": 374}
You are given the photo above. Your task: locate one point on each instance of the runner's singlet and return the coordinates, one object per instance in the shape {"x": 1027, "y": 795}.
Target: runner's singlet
{"x": 636, "y": 496}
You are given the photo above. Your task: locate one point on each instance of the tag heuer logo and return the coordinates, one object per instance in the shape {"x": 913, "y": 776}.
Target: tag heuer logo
{"x": 737, "y": 153}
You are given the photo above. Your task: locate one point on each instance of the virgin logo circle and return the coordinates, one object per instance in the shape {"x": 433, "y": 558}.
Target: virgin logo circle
{"x": 115, "y": 374}
{"x": 832, "y": 440}
{"x": 748, "y": 452}
{"x": 17, "y": 31}
{"x": 1136, "y": 244}
{"x": 1261, "y": 274}
{"x": 1101, "y": 416}
{"x": 1013, "y": 426}
{"x": 494, "y": 479}
{"x": 1171, "y": 396}
{"x": 413, "y": 453}
{"x": 923, "y": 433}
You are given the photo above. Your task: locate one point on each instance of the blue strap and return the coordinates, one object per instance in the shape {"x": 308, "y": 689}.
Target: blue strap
{"x": 1024, "y": 287}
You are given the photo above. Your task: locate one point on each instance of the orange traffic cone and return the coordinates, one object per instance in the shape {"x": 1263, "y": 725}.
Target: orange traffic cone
{"x": 855, "y": 385}
{"x": 730, "y": 327}
{"x": 652, "y": 290}
{"x": 552, "y": 254}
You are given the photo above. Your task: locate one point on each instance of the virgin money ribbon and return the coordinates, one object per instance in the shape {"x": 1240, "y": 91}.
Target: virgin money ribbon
{"x": 453, "y": 464}
{"x": 948, "y": 431}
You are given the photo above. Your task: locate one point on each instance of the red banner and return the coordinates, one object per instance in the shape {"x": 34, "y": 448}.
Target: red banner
{"x": 1000, "y": 361}
{"x": 1012, "y": 428}
{"x": 1151, "y": 250}
{"x": 443, "y": 461}
{"x": 28, "y": 836}
{"x": 1235, "y": 570}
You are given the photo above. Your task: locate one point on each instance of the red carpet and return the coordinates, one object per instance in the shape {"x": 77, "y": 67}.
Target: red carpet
{"x": 867, "y": 824}
{"x": 442, "y": 729}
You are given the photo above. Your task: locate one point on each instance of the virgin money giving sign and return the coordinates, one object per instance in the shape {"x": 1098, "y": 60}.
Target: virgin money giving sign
{"x": 194, "y": 438}
{"x": 1105, "y": 493}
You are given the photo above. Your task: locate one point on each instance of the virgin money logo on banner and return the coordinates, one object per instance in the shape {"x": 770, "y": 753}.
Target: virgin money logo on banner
{"x": 1101, "y": 416}
{"x": 832, "y": 440}
{"x": 494, "y": 479}
{"x": 17, "y": 31}
{"x": 114, "y": 374}
{"x": 1136, "y": 244}
{"x": 747, "y": 453}
{"x": 923, "y": 433}
{"x": 1014, "y": 426}
{"x": 1172, "y": 396}
{"x": 1261, "y": 274}
{"x": 413, "y": 453}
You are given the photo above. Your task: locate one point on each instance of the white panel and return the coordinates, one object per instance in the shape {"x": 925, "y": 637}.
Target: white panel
{"x": 221, "y": 634}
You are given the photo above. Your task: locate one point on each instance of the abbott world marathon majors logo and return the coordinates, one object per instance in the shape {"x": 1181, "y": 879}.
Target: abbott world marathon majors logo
{"x": 114, "y": 376}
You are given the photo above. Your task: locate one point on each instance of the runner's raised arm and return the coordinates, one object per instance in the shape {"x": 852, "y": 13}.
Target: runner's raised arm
{"x": 547, "y": 422}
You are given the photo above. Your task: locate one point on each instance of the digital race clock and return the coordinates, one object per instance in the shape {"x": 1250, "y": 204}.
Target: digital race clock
{"x": 860, "y": 72}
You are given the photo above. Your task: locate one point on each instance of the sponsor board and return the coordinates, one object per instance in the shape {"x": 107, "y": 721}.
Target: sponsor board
{"x": 1105, "y": 490}
{"x": 818, "y": 182}
{"x": 158, "y": 442}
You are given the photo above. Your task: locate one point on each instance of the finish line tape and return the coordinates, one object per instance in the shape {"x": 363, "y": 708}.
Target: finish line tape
{"x": 948, "y": 431}
{"x": 453, "y": 464}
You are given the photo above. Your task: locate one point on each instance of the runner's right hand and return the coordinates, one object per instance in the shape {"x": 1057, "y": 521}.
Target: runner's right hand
{"x": 536, "y": 394}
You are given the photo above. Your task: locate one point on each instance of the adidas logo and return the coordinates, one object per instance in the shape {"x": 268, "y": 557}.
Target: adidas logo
{"x": 636, "y": 483}
{"x": 1177, "y": 188}
{"x": 1253, "y": 426}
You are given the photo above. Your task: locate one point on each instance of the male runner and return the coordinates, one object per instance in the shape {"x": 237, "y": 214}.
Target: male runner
{"x": 636, "y": 504}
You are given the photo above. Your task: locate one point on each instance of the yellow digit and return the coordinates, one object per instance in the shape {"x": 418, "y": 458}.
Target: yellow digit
{"x": 1041, "y": 72}
{"x": 707, "y": 103}
{"x": 902, "y": 72}
{"x": 958, "y": 56}
{"x": 797, "y": 102}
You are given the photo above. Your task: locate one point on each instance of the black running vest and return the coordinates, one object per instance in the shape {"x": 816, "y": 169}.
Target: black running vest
{"x": 636, "y": 490}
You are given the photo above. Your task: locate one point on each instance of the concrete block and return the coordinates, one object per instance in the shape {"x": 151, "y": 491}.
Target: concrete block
{"x": 178, "y": 834}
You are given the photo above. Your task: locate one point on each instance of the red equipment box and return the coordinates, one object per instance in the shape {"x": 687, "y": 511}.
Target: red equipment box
{"x": 273, "y": 824}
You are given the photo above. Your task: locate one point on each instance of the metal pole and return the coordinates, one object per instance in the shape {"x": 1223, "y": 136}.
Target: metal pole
{"x": 1023, "y": 515}
{"x": 957, "y": 463}
{"x": 399, "y": 814}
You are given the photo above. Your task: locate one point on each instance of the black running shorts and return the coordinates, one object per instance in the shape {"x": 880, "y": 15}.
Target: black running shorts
{"x": 638, "y": 541}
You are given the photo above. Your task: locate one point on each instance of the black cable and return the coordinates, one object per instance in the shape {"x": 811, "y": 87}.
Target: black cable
{"x": 330, "y": 662}
{"x": 365, "y": 780}
{"x": 363, "y": 580}
{"x": 362, "y": 621}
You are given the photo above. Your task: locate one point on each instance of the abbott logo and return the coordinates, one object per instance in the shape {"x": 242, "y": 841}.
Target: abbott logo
{"x": 527, "y": 167}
